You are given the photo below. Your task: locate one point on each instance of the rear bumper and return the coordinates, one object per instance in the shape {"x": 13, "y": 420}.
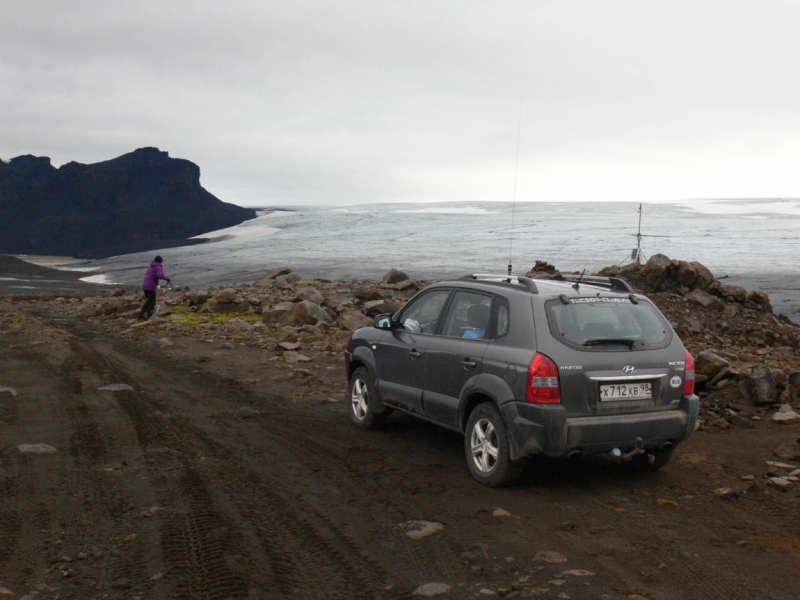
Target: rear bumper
{"x": 546, "y": 430}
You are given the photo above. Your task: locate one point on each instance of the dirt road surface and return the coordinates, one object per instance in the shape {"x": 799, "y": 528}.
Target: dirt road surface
{"x": 131, "y": 467}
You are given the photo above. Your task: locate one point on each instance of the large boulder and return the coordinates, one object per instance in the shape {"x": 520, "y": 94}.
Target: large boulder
{"x": 732, "y": 293}
{"x": 354, "y": 319}
{"x": 706, "y": 300}
{"x": 367, "y": 294}
{"x": 310, "y": 294}
{"x": 655, "y": 271}
{"x": 393, "y": 277}
{"x": 225, "y": 296}
{"x": 274, "y": 313}
{"x": 709, "y": 364}
{"x": 760, "y": 387}
{"x": 304, "y": 313}
{"x": 268, "y": 278}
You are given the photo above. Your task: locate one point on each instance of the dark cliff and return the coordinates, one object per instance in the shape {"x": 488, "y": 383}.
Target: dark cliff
{"x": 140, "y": 201}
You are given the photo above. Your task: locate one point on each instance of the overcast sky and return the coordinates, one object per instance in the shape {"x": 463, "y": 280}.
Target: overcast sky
{"x": 314, "y": 102}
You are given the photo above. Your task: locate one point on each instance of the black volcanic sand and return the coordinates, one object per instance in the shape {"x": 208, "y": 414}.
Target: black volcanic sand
{"x": 20, "y": 277}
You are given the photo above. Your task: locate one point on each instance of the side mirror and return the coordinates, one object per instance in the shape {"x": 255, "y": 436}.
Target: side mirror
{"x": 383, "y": 322}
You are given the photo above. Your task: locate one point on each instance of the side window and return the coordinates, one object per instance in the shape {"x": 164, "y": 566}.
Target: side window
{"x": 422, "y": 314}
{"x": 468, "y": 315}
{"x": 501, "y": 316}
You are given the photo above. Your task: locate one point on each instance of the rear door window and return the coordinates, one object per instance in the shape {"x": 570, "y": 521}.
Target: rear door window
{"x": 469, "y": 315}
{"x": 606, "y": 322}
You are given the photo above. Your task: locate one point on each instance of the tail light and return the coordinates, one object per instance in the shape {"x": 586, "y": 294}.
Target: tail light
{"x": 688, "y": 380}
{"x": 543, "y": 384}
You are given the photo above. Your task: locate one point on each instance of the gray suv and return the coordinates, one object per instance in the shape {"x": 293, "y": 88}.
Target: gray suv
{"x": 524, "y": 367}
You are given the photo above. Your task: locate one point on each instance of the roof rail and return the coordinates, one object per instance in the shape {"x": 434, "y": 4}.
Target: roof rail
{"x": 615, "y": 284}
{"x": 526, "y": 282}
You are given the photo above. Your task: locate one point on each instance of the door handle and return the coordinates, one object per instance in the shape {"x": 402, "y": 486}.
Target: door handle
{"x": 469, "y": 363}
{"x": 414, "y": 354}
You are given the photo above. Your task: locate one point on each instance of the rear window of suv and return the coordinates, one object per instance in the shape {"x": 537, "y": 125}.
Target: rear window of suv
{"x": 605, "y": 323}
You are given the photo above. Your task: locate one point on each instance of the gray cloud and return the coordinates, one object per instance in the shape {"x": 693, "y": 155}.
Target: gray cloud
{"x": 349, "y": 102}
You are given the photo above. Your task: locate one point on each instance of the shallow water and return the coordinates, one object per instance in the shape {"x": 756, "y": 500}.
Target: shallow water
{"x": 752, "y": 243}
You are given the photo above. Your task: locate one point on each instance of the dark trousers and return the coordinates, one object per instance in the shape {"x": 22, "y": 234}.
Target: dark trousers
{"x": 150, "y": 303}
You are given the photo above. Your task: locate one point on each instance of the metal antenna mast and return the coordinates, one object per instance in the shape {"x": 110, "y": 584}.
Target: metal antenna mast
{"x": 636, "y": 253}
{"x": 514, "y": 201}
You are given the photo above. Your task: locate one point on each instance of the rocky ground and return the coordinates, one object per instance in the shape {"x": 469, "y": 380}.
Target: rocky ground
{"x": 207, "y": 453}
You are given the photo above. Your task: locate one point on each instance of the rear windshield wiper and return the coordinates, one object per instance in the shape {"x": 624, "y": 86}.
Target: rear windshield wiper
{"x": 599, "y": 341}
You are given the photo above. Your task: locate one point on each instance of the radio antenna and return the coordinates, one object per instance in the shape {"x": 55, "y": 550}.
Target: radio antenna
{"x": 514, "y": 200}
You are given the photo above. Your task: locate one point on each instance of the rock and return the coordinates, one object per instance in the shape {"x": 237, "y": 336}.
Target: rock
{"x": 782, "y": 483}
{"x": 197, "y": 297}
{"x": 655, "y": 271}
{"x": 310, "y": 294}
{"x": 706, "y": 300}
{"x": 418, "y": 530}
{"x": 709, "y": 364}
{"x": 758, "y": 297}
{"x": 741, "y": 422}
{"x": 394, "y": 277}
{"x": 7, "y": 390}
{"x": 275, "y": 313}
{"x": 266, "y": 278}
{"x": 289, "y": 345}
{"x": 379, "y": 307}
{"x": 788, "y": 451}
{"x": 785, "y": 415}
{"x": 295, "y": 357}
{"x": 282, "y": 282}
{"x": 761, "y": 388}
{"x": 36, "y": 449}
{"x": 304, "y": 313}
{"x": 354, "y": 319}
{"x": 794, "y": 379}
{"x": 367, "y": 294}
{"x": 550, "y": 557}
{"x": 428, "y": 590}
{"x": 727, "y": 493}
{"x": 403, "y": 286}
{"x": 226, "y": 296}
{"x": 732, "y": 293}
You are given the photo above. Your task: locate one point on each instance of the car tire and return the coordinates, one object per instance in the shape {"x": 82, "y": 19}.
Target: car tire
{"x": 487, "y": 448}
{"x": 362, "y": 392}
{"x": 661, "y": 457}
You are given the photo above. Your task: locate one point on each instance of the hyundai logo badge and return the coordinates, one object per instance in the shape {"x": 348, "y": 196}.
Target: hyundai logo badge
{"x": 629, "y": 370}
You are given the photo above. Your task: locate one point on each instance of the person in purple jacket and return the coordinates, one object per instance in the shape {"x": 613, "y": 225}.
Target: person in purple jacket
{"x": 154, "y": 272}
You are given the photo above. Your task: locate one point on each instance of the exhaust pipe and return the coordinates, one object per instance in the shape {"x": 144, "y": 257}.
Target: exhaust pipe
{"x": 574, "y": 454}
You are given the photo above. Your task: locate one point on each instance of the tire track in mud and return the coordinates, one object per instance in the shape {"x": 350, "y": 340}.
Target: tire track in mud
{"x": 306, "y": 555}
{"x": 306, "y": 551}
{"x": 92, "y": 444}
{"x": 301, "y": 560}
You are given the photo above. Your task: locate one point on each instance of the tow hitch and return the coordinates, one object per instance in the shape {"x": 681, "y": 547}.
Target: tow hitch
{"x": 638, "y": 449}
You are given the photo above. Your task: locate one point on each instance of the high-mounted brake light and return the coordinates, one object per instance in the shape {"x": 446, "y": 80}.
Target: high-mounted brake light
{"x": 543, "y": 383}
{"x": 688, "y": 380}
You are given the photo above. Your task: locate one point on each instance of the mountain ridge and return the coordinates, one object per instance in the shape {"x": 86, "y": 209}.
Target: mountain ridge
{"x": 136, "y": 202}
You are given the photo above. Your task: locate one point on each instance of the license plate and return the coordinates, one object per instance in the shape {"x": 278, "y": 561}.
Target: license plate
{"x": 641, "y": 390}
